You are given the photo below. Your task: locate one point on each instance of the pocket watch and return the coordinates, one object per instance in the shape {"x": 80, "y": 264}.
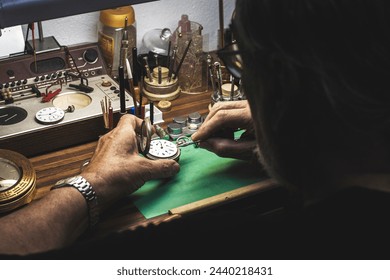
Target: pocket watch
{"x": 51, "y": 115}
{"x": 17, "y": 180}
{"x": 156, "y": 148}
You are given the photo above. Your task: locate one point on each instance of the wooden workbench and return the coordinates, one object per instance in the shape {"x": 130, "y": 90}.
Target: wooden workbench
{"x": 53, "y": 166}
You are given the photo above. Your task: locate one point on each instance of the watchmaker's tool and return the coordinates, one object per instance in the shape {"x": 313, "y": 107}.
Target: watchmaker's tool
{"x": 184, "y": 141}
{"x": 136, "y": 70}
{"x": 158, "y": 86}
{"x": 108, "y": 114}
{"x": 176, "y": 72}
{"x": 124, "y": 71}
{"x": 122, "y": 96}
{"x": 223, "y": 89}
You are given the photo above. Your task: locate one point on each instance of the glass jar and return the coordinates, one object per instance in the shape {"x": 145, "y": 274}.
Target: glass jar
{"x": 193, "y": 72}
{"x": 110, "y": 33}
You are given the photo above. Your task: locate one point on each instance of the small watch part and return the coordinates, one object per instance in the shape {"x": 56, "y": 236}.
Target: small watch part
{"x": 163, "y": 149}
{"x": 164, "y": 105}
{"x": 161, "y": 132}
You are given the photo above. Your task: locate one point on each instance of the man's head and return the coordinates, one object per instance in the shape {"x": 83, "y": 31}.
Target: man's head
{"x": 316, "y": 76}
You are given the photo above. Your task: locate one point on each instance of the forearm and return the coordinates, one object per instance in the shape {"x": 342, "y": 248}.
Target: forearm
{"x": 52, "y": 222}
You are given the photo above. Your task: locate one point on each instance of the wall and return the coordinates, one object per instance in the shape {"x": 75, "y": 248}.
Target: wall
{"x": 160, "y": 14}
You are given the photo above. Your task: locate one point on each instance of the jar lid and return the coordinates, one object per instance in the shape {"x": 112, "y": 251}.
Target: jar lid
{"x": 116, "y": 17}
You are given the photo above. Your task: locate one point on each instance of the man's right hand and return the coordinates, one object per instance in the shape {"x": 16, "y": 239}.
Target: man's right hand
{"x": 228, "y": 116}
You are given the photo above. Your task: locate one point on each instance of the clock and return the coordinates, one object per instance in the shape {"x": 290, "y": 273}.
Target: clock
{"x": 17, "y": 180}
{"x": 50, "y": 115}
{"x": 163, "y": 149}
{"x": 156, "y": 148}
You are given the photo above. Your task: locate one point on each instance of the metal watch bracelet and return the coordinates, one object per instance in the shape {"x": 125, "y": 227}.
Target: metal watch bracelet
{"x": 85, "y": 188}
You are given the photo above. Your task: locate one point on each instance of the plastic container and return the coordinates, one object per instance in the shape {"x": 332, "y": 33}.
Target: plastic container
{"x": 110, "y": 33}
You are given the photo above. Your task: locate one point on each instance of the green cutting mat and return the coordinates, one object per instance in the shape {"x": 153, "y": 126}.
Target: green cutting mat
{"x": 202, "y": 174}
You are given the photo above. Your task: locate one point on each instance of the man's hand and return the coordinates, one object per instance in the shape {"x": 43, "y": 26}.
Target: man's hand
{"x": 227, "y": 117}
{"x": 117, "y": 169}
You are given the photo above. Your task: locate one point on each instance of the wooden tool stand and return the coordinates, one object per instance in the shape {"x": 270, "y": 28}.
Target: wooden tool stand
{"x": 161, "y": 86}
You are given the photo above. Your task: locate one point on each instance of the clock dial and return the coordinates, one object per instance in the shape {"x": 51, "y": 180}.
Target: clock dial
{"x": 161, "y": 148}
{"x": 156, "y": 148}
{"x": 50, "y": 115}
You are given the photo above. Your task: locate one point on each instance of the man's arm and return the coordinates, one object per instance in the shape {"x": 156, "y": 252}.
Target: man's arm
{"x": 115, "y": 171}
{"x": 52, "y": 222}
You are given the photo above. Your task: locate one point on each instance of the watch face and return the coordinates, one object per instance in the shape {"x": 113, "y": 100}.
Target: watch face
{"x": 9, "y": 174}
{"x": 163, "y": 149}
{"x": 157, "y": 148}
{"x": 50, "y": 115}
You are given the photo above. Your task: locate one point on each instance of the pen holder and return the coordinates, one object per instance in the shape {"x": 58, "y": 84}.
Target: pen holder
{"x": 160, "y": 86}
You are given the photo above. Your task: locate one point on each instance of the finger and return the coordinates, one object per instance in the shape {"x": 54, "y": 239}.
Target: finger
{"x": 221, "y": 120}
{"x": 124, "y": 135}
{"x": 226, "y": 106}
{"x": 127, "y": 119}
{"x": 130, "y": 120}
{"x": 162, "y": 168}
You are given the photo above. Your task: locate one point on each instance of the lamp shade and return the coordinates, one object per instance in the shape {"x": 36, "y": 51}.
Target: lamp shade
{"x": 17, "y": 12}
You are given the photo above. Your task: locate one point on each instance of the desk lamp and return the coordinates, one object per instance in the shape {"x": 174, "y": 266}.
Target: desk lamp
{"x": 17, "y": 12}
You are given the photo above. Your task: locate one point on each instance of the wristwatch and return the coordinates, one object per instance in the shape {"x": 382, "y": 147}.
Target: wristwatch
{"x": 85, "y": 188}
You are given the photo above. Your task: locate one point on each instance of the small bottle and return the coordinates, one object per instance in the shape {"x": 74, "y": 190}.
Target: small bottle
{"x": 110, "y": 30}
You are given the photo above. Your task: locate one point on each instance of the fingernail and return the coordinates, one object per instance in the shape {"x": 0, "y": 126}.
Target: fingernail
{"x": 193, "y": 136}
